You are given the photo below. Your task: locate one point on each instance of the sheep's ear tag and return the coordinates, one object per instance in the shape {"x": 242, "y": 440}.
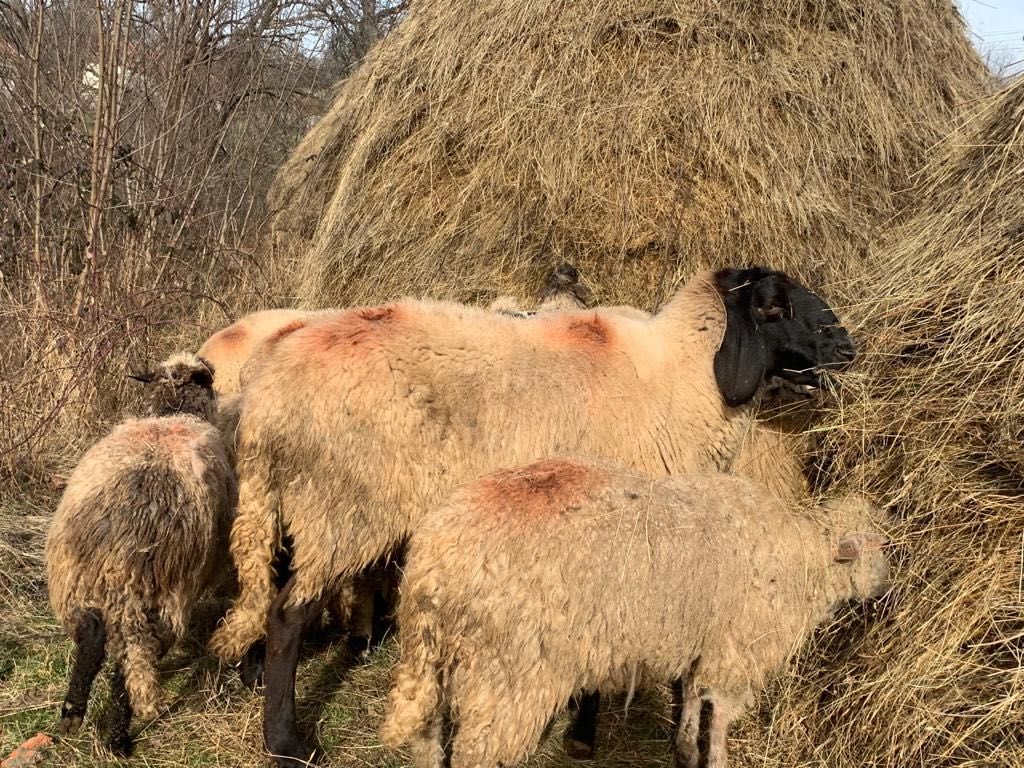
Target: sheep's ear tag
{"x": 849, "y": 548}
{"x": 145, "y": 378}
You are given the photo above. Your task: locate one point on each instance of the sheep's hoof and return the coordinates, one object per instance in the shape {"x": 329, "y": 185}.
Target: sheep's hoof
{"x": 359, "y": 647}
{"x": 579, "y": 750}
{"x": 293, "y": 755}
{"x": 121, "y": 745}
{"x": 250, "y": 669}
{"x": 69, "y": 724}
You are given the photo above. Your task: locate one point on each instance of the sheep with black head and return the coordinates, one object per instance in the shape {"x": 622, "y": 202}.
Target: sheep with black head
{"x": 355, "y": 424}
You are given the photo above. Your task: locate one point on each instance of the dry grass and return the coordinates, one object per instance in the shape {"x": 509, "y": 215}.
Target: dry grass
{"x": 484, "y": 142}
{"x": 932, "y": 424}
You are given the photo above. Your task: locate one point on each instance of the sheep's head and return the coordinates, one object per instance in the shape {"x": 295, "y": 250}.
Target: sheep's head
{"x": 564, "y": 282}
{"x": 181, "y": 384}
{"x": 775, "y": 329}
{"x": 859, "y": 551}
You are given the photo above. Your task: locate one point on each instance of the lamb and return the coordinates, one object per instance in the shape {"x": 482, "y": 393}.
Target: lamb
{"x": 533, "y": 582}
{"x": 140, "y": 533}
{"x": 387, "y": 407}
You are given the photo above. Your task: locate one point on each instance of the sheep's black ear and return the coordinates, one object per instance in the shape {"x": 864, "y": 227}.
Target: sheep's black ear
{"x": 145, "y": 378}
{"x": 741, "y": 361}
{"x": 202, "y": 377}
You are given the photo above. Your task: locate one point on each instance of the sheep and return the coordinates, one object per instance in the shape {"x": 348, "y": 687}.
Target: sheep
{"x": 140, "y": 532}
{"x": 232, "y": 350}
{"x": 387, "y": 407}
{"x": 530, "y": 583}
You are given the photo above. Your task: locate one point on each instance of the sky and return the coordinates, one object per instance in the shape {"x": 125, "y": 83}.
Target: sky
{"x": 997, "y": 28}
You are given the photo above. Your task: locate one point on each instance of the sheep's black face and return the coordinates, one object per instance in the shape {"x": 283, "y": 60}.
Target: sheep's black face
{"x": 775, "y": 328}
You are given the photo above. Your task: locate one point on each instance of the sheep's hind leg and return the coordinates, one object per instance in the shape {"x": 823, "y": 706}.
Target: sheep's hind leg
{"x": 119, "y": 740}
{"x": 581, "y": 735}
{"x": 686, "y": 706}
{"x": 285, "y": 627}
{"x": 90, "y": 643}
{"x": 250, "y": 669}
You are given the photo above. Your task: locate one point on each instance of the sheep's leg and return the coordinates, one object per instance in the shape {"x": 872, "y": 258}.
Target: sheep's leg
{"x": 119, "y": 741}
{"x": 361, "y": 628}
{"x": 285, "y": 627}
{"x": 250, "y": 669}
{"x": 90, "y": 642}
{"x": 718, "y": 736}
{"x": 581, "y": 735}
{"x": 686, "y": 717}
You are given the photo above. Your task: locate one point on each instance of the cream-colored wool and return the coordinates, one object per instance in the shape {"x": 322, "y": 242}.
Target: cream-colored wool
{"x": 229, "y": 348}
{"x": 532, "y": 583}
{"x": 354, "y": 425}
{"x": 139, "y": 533}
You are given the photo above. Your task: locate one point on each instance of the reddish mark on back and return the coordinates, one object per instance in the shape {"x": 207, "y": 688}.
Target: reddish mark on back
{"x": 546, "y": 488}
{"x": 166, "y": 434}
{"x": 592, "y": 330}
{"x": 352, "y": 328}
{"x": 234, "y": 334}
{"x": 583, "y": 332}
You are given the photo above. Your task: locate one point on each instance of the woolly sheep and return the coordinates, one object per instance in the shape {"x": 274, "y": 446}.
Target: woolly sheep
{"x": 387, "y": 407}
{"x": 232, "y": 350}
{"x": 771, "y": 451}
{"x": 531, "y": 583}
{"x": 139, "y": 533}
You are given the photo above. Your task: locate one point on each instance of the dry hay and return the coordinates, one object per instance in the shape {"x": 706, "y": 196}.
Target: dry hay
{"x": 484, "y": 142}
{"x": 933, "y": 425}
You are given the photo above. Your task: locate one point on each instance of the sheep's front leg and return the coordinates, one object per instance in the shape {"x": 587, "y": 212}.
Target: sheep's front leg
{"x": 686, "y": 717}
{"x": 90, "y": 642}
{"x": 285, "y": 627}
{"x": 581, "y": 735}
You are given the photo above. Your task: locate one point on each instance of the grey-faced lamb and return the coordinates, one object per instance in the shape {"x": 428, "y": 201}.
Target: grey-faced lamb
{"x": 531, "y": 583}
{"x": 354, "y": 425}
{"x": 139, "y": 534}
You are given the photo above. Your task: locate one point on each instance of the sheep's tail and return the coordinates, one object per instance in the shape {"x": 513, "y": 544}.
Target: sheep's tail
{"x": 255, "y": 538}
{"x": 133, "y": 643}
{"x": 416, "y": 701}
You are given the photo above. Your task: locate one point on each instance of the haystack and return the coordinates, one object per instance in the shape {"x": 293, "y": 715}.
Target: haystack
{"x": 483, "y": 142}
{"x": 933, "y": 425}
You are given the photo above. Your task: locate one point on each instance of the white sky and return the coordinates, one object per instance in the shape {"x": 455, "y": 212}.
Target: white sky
{"x": 998, "y": 30}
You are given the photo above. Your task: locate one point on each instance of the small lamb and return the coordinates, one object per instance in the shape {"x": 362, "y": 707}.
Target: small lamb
{"x": 532, "y": 583}
{"x": 140, "y": 533}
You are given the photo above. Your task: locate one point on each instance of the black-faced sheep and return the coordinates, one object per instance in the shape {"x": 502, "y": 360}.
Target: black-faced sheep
{"x": 140, "y": 532}
{"x": 533, "y": 582}
{"x": 354, "y": 425}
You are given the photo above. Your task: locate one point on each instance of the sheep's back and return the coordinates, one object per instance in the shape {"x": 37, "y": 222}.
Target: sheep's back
{"x": 427, "y": 394}
{"x": 146, "y": 511}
